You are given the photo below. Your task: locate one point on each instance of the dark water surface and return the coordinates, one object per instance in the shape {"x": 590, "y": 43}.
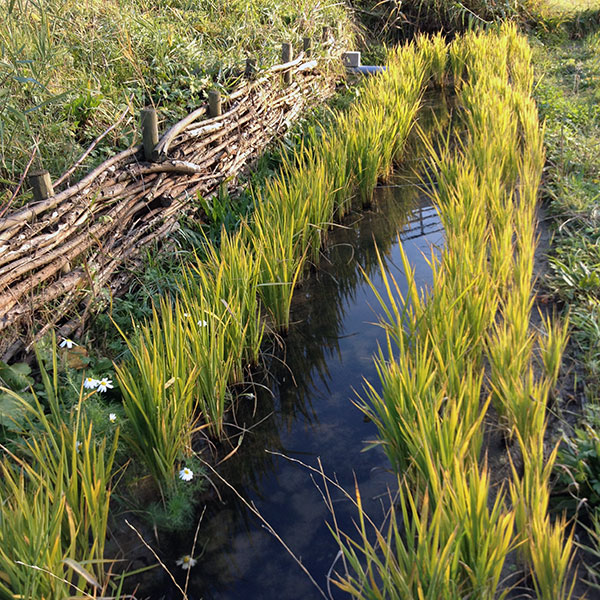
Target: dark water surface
{"x": 307, "y": 414}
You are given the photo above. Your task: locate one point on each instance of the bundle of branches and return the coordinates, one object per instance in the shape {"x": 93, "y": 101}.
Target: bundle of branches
{"x": 58, "y": 257}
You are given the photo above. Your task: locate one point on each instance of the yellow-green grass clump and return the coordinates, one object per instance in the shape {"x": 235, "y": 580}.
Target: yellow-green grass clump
{"x": 436, "y": 388}
{"x": 55, "y": 486}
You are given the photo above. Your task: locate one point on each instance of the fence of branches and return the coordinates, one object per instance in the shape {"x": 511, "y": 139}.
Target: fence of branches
{"x": 66, "y": 250}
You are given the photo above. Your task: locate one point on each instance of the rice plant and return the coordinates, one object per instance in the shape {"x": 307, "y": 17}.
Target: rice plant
{"x": 451, "y": 545}
{"x": 275, "y": 238}
{"x": 208, "y": 327}
{"x": 435, "y": 385}
{"x": 158, "y": 386}
{"x": 418, "y": 562}
{"x": 223, "y": 286}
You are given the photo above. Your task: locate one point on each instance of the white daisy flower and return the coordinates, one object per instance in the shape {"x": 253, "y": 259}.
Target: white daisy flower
{"x": 186, "y": 315}
{"x": 112, "y": 417}
{"x": 77, "y": 446}
{"x": 186, "y": 562}
{"x": 67, "y": 343}
{"x": 202, "y": 323}
{"x": 105, "y": 384}
{"x": 90, "y": 383}
{"x": 186, "y": 475}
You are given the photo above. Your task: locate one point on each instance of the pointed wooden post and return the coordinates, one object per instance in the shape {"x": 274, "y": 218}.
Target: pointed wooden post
{"x": 286, "y": 56}
{"x": 41, "y": 182}
{"x": 307, "y": 46}
{"x": 250, "y": 68}
{"x": 149, "y": 119}
{"x": 214, "y": 103}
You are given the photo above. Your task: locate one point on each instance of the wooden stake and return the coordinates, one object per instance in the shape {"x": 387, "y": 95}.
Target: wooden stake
{"x": 214, "y": 103}
{"x": 326, "y": 34}
{"x": 149, "y": 132}
{"x": 307, "y": 46}
{"x": 250, "y": 67}
{"x": 41, "y": 182}
{"x": 286, "y": 56}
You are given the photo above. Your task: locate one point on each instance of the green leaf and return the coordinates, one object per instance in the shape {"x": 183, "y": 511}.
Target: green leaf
{"x": 16, "y": 377}
{"x": 12, "y": 412}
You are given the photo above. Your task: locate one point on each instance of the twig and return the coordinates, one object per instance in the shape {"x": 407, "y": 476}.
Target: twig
{"x": 187, "y": 576}
{"x": 160, "y": 562}
{"x": 267, "y": 526}
{"x": 36, "y": 568}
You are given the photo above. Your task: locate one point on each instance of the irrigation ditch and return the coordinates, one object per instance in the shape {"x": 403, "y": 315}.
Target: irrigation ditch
{"x": 303, "y": 411}
{"x": 447, "y": 352}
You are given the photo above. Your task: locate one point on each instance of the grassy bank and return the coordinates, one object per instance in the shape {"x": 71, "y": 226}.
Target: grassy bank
{"x": 68, "y": 70}
{"x": 567, "y": 93}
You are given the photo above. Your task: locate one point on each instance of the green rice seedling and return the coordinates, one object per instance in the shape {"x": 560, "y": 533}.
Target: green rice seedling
{"x": 241, "y": 267}
{"x": 459, "y": 53}
{"x": 530, "y": 492}
{"x": 401, "y": 311}
{"x": 508, "y": 358}
{"x": 434, "y": 51}
{"x": 305, "y": 186}
{"x": 281, "y": 258}
{"x": 478, "y": 307}
{"x": 456, "y": 316}
{"x": 207, "y": 325}
{"x": 368, "y": 150}
{"x": 486, "y": 528}
{"x": 333, "y": 150}
{"x": 547, "y": 547}
{"x": 551, "y": 343}
{"x": 450, "y": 546}
{"x": 417, "y": 561}
{"x": 443, "y": 432}
{"x": 394, "y": 407}
{"x": 519, "y": 59}
{"x": 398, "y": 91}
{"x": 551, "y": 549}
{"x": 158, "y": 384}
{"x": 221, "y": 291}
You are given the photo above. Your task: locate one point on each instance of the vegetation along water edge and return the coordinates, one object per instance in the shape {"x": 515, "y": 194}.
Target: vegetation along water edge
{"x": 183, "y": 362}
{"x": 461, "y": 350}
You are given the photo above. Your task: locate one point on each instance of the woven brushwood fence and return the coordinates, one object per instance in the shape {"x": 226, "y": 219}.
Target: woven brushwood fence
{"x": 65, "y": 251}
